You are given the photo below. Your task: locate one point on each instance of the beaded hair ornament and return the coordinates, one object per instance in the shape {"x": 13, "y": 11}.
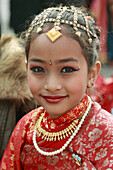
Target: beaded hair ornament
{"x": 55, "y": 33}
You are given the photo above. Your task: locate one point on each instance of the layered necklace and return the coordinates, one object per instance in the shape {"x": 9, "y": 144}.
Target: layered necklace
{"x": 53, "y": 136}
{"x": 71, "y": 129}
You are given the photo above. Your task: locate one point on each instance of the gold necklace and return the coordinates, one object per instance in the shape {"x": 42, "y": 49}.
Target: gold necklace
{"x": 58, "y": 151}
{"x": 53, "y": 136}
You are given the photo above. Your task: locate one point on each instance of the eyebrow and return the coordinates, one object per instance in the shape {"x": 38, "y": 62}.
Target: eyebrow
{"x": 59, "y": 61}
{"x": 66, "y": 60}
{"x": 37, "y": 60}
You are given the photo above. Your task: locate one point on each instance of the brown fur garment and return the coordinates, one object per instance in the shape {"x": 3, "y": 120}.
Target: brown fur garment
{"x": 13, "y": 73}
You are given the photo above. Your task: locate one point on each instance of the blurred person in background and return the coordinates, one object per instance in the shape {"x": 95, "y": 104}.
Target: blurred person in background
{"x": 15, "y": 97}
{"x": 103, "y": 12}
{"x": 110, "y": 32}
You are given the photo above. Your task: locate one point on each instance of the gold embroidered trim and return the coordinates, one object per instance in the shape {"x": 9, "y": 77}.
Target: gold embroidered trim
{"x": 55, "y": 135}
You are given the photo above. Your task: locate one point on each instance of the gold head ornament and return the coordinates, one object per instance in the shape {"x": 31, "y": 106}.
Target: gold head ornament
{"x": 55, "y": 32}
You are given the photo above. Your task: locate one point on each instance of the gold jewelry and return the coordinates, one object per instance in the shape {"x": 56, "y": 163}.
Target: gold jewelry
{"x": 55, "y": 33}
{"x": 92, "y": 83}
{"x": 45, "y": 153}
{"x": 77, "y": 159}
{"x": 36, "y": 104}
{"x": 53, "y": 136}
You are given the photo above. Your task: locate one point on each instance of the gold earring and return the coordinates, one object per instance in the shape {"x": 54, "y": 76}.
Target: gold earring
{"x": 92, "y": 83}
{"x": 36, "y": 104}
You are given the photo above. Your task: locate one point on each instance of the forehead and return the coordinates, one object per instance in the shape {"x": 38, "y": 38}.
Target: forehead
{"x": 64, "y": 47}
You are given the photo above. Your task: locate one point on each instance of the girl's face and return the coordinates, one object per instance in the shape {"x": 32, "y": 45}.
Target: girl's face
{"x": 57, "y": 73}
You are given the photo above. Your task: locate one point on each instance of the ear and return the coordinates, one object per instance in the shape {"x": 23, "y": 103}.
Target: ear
{"x": 93, "y": 74}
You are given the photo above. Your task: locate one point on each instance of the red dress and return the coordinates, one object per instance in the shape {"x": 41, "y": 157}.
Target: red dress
{"x": 93, "y": 144}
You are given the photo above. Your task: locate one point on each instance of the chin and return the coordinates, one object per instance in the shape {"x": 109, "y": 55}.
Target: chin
{"x": 55, "y": 113}
{"x": 54, "y": 116}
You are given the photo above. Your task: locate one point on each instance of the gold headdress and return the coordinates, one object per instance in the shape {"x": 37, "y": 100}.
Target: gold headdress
{"x": 55, "y": 33}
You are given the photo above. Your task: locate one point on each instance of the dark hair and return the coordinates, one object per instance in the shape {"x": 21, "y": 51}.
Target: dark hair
{"x": 90, "y": 50}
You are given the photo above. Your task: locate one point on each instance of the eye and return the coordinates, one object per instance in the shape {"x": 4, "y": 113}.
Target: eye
{"x": 69, "y": 69}
{"x": 37, "y": 69}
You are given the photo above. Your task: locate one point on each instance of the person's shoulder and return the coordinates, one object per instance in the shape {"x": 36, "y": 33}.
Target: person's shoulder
{"x": 32, "y": 116}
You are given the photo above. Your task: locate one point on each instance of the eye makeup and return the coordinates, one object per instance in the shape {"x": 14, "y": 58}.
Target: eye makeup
{"x": 36, "y": 68}
{"x": 69, "y": 69}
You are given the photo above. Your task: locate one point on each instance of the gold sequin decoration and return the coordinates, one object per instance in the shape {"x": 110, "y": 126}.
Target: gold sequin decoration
{"x": 53, "y": 34}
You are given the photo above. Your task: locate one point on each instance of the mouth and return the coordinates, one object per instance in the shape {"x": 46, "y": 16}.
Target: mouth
{"x": 54, "y": 99}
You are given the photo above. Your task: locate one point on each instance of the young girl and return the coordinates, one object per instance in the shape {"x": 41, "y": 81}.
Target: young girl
{"x": 69, "y": 130}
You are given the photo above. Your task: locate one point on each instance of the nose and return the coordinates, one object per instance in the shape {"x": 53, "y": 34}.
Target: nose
{"x": 52, "y": 83}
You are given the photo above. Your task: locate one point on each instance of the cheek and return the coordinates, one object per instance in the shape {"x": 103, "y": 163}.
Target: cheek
{"x": 77, "y": 85}
{"x": 33, "y": 84}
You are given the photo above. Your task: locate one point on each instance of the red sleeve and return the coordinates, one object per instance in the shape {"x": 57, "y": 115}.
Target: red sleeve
{"x": 11, "y": 156}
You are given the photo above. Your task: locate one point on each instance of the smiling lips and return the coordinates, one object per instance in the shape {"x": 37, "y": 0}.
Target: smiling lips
{"x": 54, "y": 99}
